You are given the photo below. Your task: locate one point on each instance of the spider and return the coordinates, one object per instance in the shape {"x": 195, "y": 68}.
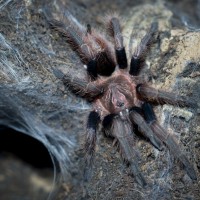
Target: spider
{"x": 120, "y": 98}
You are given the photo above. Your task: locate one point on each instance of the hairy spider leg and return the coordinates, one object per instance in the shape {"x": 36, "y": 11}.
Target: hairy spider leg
{"x": 122, "y": 131}
{"x": 75, "y": 38}
{"x": 105, "y": 56}
{"x": 101, "y": 60}
{"x": 137, "y": 119}
{"x": 139, "y": 56}
{"x": 79, "y": 86}
{"x": 92, "y": 48}
{"x": 115, "y": 31}
{"x": 92, "y": 125}
{"x": 158, "y": 96}
{"x": 168, "y": 139}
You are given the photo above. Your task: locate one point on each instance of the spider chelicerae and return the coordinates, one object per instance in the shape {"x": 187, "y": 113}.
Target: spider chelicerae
{"x": 120, "y": 98}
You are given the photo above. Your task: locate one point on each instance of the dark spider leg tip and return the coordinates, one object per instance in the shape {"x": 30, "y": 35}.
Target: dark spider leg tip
{"x": 107, "y": 121}
{"x": 149, "y": 114}
{"x": 136, "y": 109}
{"x": 92, "y": 69}
{"x": 93, "y": 120}
{"x": 121, "y": 58}
{"x": 89, "y": 29}
{"x": 105, "y": 65}
{"x": 135, "y": 66}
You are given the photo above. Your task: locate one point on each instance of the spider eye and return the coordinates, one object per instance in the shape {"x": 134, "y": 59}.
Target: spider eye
{"x": 120, "y": 104}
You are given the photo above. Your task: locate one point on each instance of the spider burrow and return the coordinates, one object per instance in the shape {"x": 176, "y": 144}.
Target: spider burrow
{"x": 119, "y": 97}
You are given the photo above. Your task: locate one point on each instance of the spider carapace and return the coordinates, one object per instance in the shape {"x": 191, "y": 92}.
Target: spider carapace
{"x": 119, "y": 94}
{"x": 120, "y": 97}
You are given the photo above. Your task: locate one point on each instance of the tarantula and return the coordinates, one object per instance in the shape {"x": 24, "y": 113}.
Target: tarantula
{"x": 121, "y": 100}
